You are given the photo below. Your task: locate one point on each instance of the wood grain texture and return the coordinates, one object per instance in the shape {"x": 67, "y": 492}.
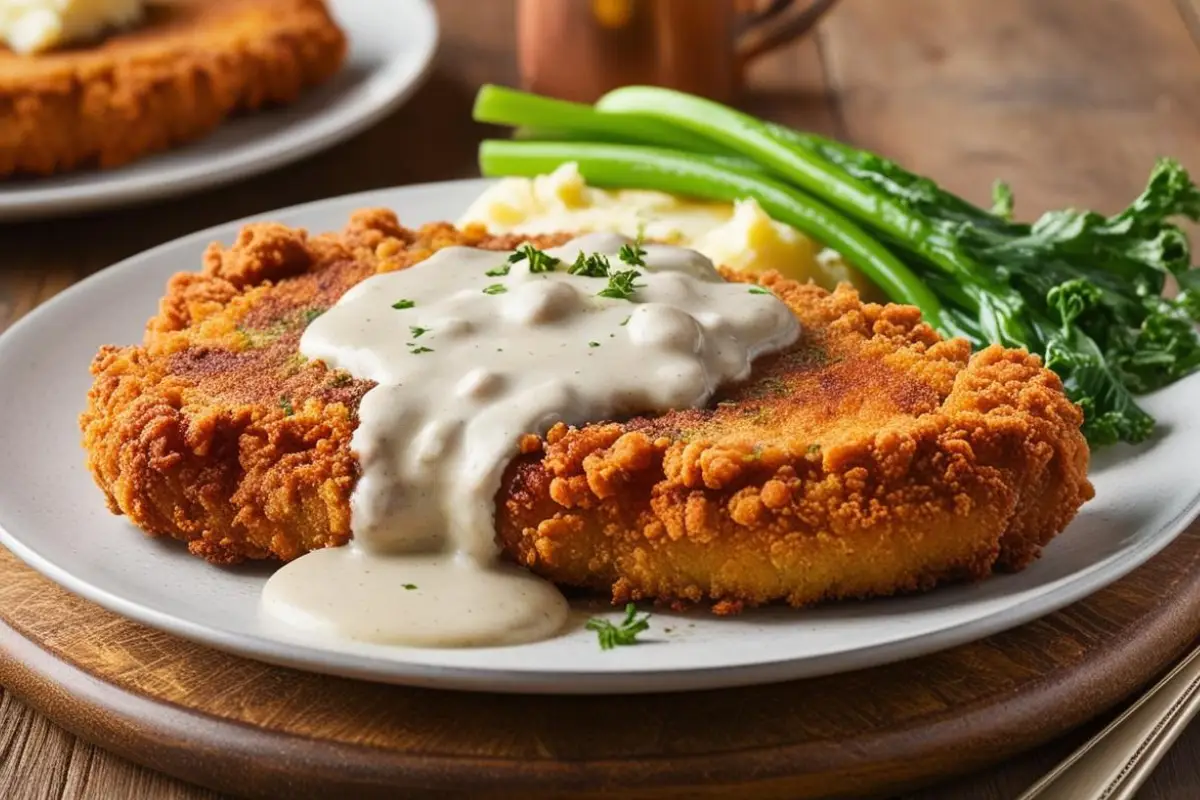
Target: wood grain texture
{"x": 1068, "y": 102}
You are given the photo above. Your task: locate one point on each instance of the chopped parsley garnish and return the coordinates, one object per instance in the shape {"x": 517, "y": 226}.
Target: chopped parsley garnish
{"x": 621, "y": 285}
{"x": 496, "y": 288}
{"x": 311, "y": 314}
{"x": 813, "y": 449}
{"x": 409, "y": 586}
{"x": 498, "y": 272}
{"x": 419, "y": 350}
{"x": 286, "y": 405}
{"x": 632, "y": 254}
{"x": 400, "y": 305}
{"x": 625, "y": 321}
{"x": 539, "y": 261}
{"x": 593, "y": 266}
{"x": 417, "y": 331}
{"x": 340, "y": 379}
{"x": 759, "y": 290}
{"x": 593, "y": 344}
{"x": 611, "y": 636}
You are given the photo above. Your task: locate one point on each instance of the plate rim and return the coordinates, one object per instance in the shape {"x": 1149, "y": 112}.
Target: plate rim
{"x": 111, "y": 190}
{"x": 538, "y": 679}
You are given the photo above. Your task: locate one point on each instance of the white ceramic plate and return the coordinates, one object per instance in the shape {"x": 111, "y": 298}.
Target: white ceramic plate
{"x": 53, "y": 517}
{"x": 391, "y": 45}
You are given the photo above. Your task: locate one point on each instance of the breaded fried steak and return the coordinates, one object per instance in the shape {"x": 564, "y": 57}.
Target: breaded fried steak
{"x": 871, "y": 457}
{"x": 172, "y": 78}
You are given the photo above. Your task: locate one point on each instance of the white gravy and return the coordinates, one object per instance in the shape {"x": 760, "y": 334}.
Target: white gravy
{"x": 468, "y": 364}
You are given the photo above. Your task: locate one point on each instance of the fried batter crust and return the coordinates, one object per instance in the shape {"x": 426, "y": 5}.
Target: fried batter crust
{"x": 192, "y": 64}
{"x": 871, "y": 458}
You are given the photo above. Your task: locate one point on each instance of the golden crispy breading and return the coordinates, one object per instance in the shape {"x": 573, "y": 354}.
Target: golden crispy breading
{"x": 192, "y": 64}
{"x": 872, "y": 457}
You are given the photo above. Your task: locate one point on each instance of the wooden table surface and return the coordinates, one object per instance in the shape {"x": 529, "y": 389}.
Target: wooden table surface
{"x": 1069, "y": 100}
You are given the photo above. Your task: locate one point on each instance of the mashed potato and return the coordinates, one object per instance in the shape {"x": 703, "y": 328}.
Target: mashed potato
{"x": 739, "y": 235}
{"x": 33, "y": 26}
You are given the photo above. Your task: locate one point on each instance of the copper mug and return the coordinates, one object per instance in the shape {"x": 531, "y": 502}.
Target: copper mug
{"x": 580, "y": 49}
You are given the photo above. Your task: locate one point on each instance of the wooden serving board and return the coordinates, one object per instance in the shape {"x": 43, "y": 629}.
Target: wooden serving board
{"x": 248, "y": 728}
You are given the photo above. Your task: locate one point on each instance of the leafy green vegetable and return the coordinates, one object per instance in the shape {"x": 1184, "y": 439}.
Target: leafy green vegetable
{"x": 625, "y": 633}
{"x": 1002, "y": 200}
{"x": 1087, "y": 288}
{"x": 495, "y": 288}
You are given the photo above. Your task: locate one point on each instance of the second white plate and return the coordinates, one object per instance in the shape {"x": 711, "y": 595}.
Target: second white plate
{"x": 390, "y": 48}
{"x": 53, "y": 517}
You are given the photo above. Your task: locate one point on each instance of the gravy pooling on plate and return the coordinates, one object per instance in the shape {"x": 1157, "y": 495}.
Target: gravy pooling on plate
{"x": 469, "y": 351}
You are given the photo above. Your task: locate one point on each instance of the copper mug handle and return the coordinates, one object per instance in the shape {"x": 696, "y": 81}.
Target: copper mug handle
{"x": 763, "y": 31}
{"x": 700, "y": 46}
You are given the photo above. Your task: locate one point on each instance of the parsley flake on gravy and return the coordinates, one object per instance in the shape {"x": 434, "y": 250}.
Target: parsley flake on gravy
{"x": 498, "y": 272}
{"x": 496, "y": 288}
{"x": 632, "y": 254}
{"x": 539, "y": 261}
{"x": 400, "y": 305}
{"x": 417, "y": 331}
{"x": 625, "y": 633}
{"x": 593, "y": 266}
{"x": 621, "y": 285}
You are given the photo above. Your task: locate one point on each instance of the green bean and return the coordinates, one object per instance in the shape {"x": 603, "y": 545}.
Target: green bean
{"x": 756, "y": 140}
{"x": 544, "y": 117}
